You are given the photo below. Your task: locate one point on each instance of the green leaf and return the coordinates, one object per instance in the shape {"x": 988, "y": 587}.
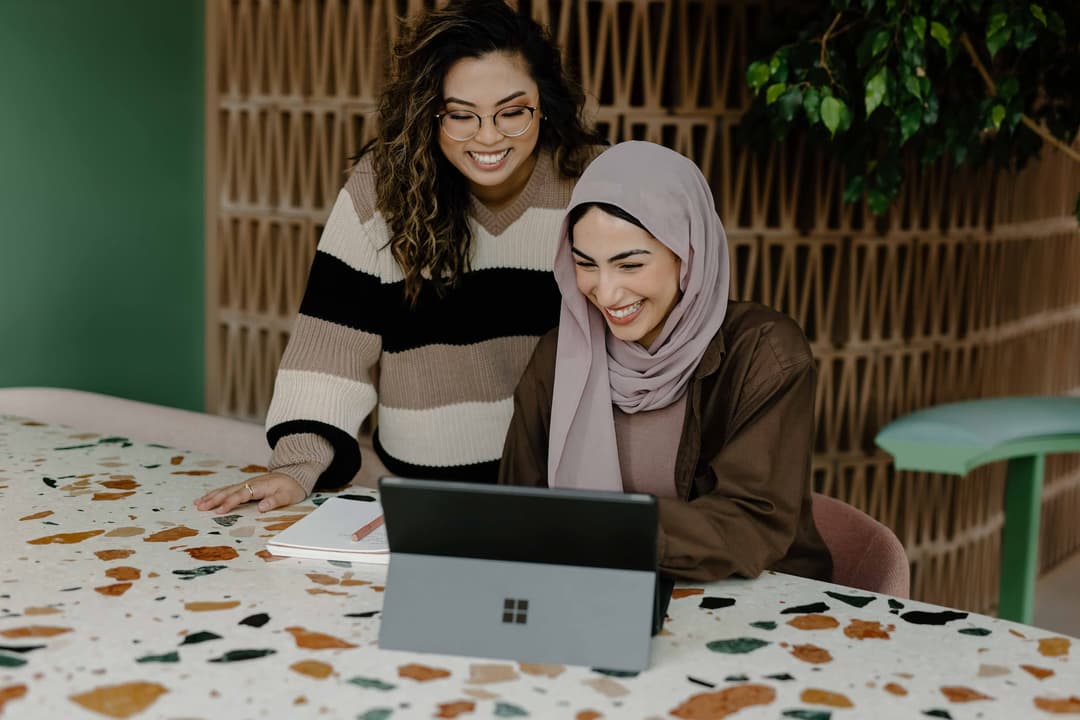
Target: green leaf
{"x": 789, "y": 103}
{"x": 881, "y": 41}
{"x": 910, "y": 122}
{"x": 854, "y": 189}
{"x": 911, "y": 84}
{"x": 774, "y": 92}
{"x": 757, "y": 75}
{"x": 997, "y": 114}
{"x": 879, "y": 201}
{"x": 1024, "y": 37}
{"x": 1008, "y": 88}
{"x": 996, "y": 41}
{"x": 812, "y": 105}
{"x": 919, "y": 24}
{"x": 832, "y": 111}
{"x": 1038, "y": 14}
{"x": 940, "y": 33}
{"x": 997, "y": 22}
{"x": 875, "y": 91}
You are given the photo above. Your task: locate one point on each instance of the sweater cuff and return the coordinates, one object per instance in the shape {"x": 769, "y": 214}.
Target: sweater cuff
{"x": 303, "y": 457}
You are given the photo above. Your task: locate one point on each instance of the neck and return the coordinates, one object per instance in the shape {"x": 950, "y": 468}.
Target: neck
{"x": 496, "y": 198}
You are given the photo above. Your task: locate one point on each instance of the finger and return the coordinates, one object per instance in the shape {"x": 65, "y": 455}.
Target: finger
{"x": 239, "y": 495}
{"x": 215, "y": 497}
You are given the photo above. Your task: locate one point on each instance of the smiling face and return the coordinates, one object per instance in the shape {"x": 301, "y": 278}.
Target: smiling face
{"x": 496, "y": 167}
{"x": 630, "y": 276}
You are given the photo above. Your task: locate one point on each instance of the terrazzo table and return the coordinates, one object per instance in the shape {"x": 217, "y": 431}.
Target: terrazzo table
{"x": 119, "y": 599}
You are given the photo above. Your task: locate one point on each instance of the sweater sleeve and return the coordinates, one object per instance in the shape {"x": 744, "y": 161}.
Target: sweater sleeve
{"x": 748, "y": 520}
{"x": 324, "y": 385}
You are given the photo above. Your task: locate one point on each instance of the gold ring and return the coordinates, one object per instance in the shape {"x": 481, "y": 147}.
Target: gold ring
{"x": 248, "y": 486}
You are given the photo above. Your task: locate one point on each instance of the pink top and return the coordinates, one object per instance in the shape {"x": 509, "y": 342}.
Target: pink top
{"x": 648, "y": 443}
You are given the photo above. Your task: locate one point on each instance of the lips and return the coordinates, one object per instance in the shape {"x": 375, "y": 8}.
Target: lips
{"x": 489, "y": 161}
{"x": 625, "y": 314}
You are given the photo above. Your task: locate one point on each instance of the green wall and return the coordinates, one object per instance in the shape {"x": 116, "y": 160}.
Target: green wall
{"x": 101, "y": 182}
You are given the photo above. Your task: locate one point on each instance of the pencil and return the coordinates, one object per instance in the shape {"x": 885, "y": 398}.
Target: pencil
{"x": 366, "y": 530}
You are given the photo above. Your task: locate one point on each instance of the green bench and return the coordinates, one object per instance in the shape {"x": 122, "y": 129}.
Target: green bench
{"x": 958, "y": 437}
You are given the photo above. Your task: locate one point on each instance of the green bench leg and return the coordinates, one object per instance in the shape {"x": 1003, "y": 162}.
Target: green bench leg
{"x": 1020, "y": 538}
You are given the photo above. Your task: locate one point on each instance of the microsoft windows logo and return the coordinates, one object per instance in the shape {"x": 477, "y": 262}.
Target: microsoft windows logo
{"x": 515, "y": 611}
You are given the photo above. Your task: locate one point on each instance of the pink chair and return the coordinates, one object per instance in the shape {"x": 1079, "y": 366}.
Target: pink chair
{"x": 866, "y": 554}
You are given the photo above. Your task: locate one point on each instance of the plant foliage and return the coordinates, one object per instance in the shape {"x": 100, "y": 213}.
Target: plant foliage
{"x": 974, "y": 81}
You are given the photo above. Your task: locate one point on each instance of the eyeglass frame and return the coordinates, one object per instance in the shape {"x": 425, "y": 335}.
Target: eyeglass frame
{"x": 480, "y": 118}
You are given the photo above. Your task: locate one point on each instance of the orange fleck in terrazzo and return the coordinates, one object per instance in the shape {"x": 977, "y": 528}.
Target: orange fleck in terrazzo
{"x": 65, "y": 538}
{"x": 42, "y": 611}
{"x": 895, "y": 689}
{"x": 606, "y": 686}
{"x": 9, "y": 693}
{"x": 316, "y": 640}
{"x": 112, "y": 496}
{"x": 125, "y": 532}
{"x": 267, "y": 556}
{"x": 38, "y": 515}
{"x": 354, "y": 583}
{"x": 588, "y": 715}
{"x": 484, "y": 673}
{"x": 715, "y": 705}
{"x": 253, "y": 469}
{"x": 1059, "y": 706}
{"x": 34, "y": 631}
{"x": 324, "y": 591}
{"x": 1038, "y": 672}
{"x": 313, "y": 668}
{"x": 215, "y": 553}
{"x": 959, "y": 693}
{"x": 195, "y": 473}
{"x": 814, "y": 622}
{"x": 866, "y": 629}
{"x": 114, "y": 590}
{"x": 322, "y": 579}
{"x": 454, "y": 709}
{"x": 123, "y": 572}
{"x": 679, "y": 593}
{"x": 811, "y": 654}
{"x": 1055, "y": 646}
{"x": 173, "y": 533}
{"x": 816, "y": 696}
{"x": 176, "y": 459}
{"x": 421, "y": 673}
{"x": 540, "y": 670}
{"x": 120, "y": 483}
{"x": 116, "y": 554}
{"x": 121, "y": 701}
{"x": 211, "y": 606}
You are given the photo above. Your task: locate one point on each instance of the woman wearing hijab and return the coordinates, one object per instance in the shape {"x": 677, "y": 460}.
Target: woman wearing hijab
{"x": 655, "y": 382}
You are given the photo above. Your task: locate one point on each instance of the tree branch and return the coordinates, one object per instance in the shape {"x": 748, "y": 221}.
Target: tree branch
{"x": 824, "y": 42}
{"x": 992, "y": 89}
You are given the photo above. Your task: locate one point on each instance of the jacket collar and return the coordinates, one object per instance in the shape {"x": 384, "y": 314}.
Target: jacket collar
{"x": 714, "y": 355}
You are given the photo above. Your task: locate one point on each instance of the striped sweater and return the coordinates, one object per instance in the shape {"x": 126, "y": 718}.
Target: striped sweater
{"x": 442, "y": 373}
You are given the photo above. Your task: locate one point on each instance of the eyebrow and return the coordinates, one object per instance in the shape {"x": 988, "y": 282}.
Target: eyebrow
{"x": 506, "y": 99}
{"x": 613, "y": 258}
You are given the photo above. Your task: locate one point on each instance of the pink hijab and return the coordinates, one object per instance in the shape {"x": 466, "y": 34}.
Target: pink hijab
{"x": 669, "y": 196}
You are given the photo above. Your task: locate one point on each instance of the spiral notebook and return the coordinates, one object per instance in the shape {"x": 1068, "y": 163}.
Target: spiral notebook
{"x": 326, "y": 533}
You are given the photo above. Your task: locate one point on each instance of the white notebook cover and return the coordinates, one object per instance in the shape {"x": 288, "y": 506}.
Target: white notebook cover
{"x": 326, "y": 534}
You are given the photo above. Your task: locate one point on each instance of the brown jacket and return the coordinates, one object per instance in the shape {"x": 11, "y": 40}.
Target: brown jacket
{"x": 743, "y": 464}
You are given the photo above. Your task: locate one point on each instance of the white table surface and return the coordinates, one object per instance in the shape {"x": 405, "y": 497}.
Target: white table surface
{"x": 119, "y": 599}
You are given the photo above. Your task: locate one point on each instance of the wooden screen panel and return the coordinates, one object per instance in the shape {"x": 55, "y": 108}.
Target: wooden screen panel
{"x": 966, "y": 288}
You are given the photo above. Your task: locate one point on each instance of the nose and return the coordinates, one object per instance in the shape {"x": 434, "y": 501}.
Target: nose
{"x": 488, "y": 135}
{"x": 607, "y": 290}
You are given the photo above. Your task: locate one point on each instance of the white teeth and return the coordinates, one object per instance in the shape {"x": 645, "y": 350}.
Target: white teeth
{"x": 489, "y": 158}
{"x": 625, "y": 312}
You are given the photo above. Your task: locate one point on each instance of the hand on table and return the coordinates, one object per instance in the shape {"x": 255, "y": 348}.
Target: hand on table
{"x": 272, "y": 490}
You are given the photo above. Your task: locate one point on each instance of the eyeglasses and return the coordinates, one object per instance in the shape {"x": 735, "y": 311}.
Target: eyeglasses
{"x": 465, "y": 124}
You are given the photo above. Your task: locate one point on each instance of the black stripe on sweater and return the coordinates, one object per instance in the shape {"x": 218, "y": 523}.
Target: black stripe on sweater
{"x": 486, "y": 304}
{"x": 346, "y": 462}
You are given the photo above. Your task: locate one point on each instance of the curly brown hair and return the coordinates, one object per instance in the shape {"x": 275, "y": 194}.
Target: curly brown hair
{"x": 420, "y": 194}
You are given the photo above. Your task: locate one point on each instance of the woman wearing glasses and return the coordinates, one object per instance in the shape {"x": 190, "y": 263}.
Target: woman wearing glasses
{"x": 434, "y": 268}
